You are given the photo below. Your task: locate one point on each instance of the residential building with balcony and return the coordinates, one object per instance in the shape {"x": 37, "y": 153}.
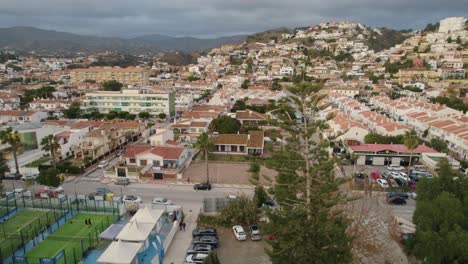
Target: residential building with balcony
{"x": 126, "y": 76}
{"x": 133, "y": 101}
{"x": 189, "y": 130}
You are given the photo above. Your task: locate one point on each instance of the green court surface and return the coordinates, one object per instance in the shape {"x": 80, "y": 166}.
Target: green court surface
{"x": 74, "y": 237}
{"x": 27, "y": 224}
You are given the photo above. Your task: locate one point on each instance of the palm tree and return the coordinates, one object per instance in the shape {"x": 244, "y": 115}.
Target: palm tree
{"x": 49, "y": 143}
{"x": 411, "y": 141}
{"x": 11, "y": 138}
{"x": 204, "y": 144}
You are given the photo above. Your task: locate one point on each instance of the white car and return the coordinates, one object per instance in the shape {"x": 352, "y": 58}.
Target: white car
{"x": 103, "y": 164}
{"x": 31, "y": 177}
{"x": 383, "y": 183}
{"x": 132, "y": 199}
{"x": 394, "y": 167}
{"x": 162, "y": 200}
{"x": 239, "y": 232}
{"x": 52, "y": 189}
{"x": 19, "y": 192}
{"x": 195, "y": 258}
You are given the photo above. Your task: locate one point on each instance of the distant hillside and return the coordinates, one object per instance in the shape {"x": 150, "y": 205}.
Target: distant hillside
{"x": 266, "y": 36}
{"x": 50, "y": 41}
{"x": 387, "y": 39}
{"x": 189, "y": 44}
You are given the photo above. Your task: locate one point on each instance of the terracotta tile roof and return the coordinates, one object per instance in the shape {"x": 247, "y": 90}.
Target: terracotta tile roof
{"x": 256, "y": 139}
{"x": 250, "y": 115}
{"x": 392, "y": 147}
{"x": 229, "y": 139}
{"x": 200, "y": 115}
{"x": 16, "y": 113}
{"x": 83, "y": 124}
{"x": 198, "y": 124}
{"x": 172, "y": 153}
{"x": 133, "y": 150}
{"x": 55, "y": 122}
{"x": 204, "y": 108}
{"x": 125, "y": 124}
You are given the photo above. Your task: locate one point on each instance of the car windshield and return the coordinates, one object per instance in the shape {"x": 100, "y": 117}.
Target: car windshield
{"x": 255, "y": 228}
{"x": 241, "y": 233}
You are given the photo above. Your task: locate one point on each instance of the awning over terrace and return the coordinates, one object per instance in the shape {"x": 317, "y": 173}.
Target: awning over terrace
{"x": 111, "y": 232}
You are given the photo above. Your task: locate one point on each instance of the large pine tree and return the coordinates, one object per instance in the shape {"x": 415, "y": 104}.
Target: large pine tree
{"x": 309, "y": 227}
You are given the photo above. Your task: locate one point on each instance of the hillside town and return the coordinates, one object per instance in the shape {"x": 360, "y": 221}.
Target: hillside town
{"x": 147, "y": 129}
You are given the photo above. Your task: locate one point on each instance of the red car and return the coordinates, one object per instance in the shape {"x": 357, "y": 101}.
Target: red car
{"x": 412, "y": 185}
{"x": 48, "y": 192}
{"x": 375, "y": 175}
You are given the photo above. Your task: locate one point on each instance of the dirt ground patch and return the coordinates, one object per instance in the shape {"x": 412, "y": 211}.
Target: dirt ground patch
{"x": 232, "y": 251}
{"x": 225, "y": 173}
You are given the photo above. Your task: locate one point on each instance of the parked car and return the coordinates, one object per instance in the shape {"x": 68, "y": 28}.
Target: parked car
{"x": 12, "y": 176}
{"x": 255, "y": 232}
{"x": 202, "y": 186}
{"x": 103, "y": 190}
{"x": 196, "y": 258}
{"x": 400, "y": 181}
{"x": 411, "y": 184}
{"x": 386, "y": 175}
{"x": 413, "y": 195}
{"x": 200, "y": 248}
{"x": 52, "y": 189}
{"x": 103, "y": 164}
{"x": 120, "y": 152}
{"x": 239, "y": 232}
{"x": 394, "y": 167}
{"x": 395, "y": 193}
{"x": 132, "y": 199}
{"x": 162, "y": 200}
{"x": 375, "y": 175}
{"x": 204, "y": 231}
{"x": 49, "y": 193}
{"x": 31, "y": 177}
{"x": 397, "y": 200}
{"x": 122, "y": 181}
{"x": 383, "y": 183}
{"x": 19, "y": 192}
{"x": 210, "y": 240}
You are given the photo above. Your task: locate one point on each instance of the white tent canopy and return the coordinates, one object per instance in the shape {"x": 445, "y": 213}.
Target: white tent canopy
{"x": 147, "y": 216}
{"x": 135, "y": 231}
{"x": 120, "y": 253}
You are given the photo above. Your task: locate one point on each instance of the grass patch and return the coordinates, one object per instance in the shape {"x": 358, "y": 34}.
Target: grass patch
{"x": 38, "y": 162}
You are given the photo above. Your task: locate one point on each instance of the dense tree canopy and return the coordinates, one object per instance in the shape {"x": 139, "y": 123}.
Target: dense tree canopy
{"x": 441, "y": 218}
{"x": 225, "y": 125}
{"x": 112, "y": 85}
{"x": 373, "y": 138}
{"x": 73, "y": 111}
{"x": 43, "y": 92}
{"x": 50, "y": 177}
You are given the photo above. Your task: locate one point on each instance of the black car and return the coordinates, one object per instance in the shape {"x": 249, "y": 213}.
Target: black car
{"x": 200, "y": 248}
{"x": 210, "y": 240}
{"x": 202, "y": 186}
{"x": 394, "y": 193}
{"x": 12, "y": 176}
{"x": 396, "y": 200}
{"x": 204, "y": 231}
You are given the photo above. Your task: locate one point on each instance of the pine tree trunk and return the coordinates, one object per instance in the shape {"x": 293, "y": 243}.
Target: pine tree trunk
{"x": 410, "y": 160}
{"x": 306, "y": 158}
{"x": 207, "y": 169}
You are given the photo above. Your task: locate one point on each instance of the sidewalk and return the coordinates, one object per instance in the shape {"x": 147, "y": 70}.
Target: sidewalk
{"x": 182, "y": 240}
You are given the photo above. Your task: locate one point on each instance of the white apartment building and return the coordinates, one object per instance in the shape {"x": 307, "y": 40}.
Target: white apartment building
{"x": 452, "y": 24}
{"x": 133, "y": 101}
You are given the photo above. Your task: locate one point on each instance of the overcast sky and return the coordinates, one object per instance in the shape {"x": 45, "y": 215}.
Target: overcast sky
{"x": 208, "y": 18}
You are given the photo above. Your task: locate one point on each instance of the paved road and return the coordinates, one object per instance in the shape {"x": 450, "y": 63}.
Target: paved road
{"x": 25, "y": 158}
{"x": 183, "y": 195}
{"x": 96, "y": 172}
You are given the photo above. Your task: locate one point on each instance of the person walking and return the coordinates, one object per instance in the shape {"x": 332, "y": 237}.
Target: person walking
{"x": 183, "y": 226}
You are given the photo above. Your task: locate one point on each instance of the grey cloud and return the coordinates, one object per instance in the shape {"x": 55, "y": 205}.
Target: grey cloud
{"x": 216, "y": 17}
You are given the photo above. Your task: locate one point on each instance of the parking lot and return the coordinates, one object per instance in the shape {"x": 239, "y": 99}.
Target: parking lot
{"x": 232, "y": 251}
